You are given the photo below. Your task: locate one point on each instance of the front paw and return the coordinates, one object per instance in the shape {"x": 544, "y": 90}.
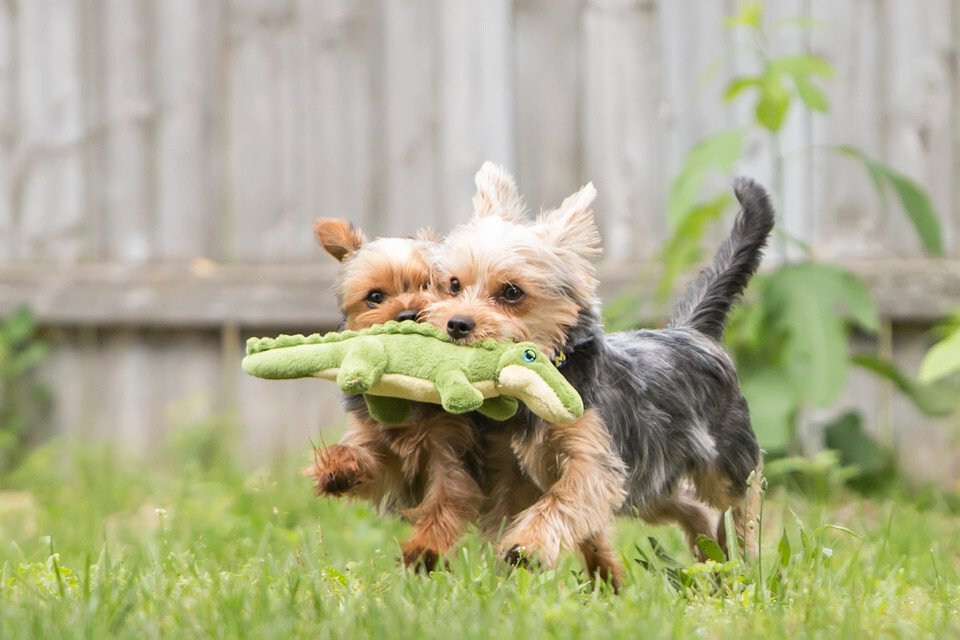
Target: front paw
{"x": 337, "y": 471}
{"x": 527, "y": 552}
{"x": 420, "y": 558}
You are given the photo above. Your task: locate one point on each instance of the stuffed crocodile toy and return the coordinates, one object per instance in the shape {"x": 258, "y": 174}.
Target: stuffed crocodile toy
{"x": 396, "y": 362}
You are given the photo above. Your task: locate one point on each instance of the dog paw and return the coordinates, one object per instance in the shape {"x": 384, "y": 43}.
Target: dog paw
{"x": 518, "y": 556}
{"x": 337, "y": 471}
{"x": 422, "y": 559}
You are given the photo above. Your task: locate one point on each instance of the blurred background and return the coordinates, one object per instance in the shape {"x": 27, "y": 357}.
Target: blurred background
{"x": 161, "y": 163}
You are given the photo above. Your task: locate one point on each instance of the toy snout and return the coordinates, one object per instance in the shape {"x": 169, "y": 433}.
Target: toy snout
{"x": 528, "y": 375}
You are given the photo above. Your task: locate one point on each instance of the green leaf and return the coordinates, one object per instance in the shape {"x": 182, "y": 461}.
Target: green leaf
{"x": 773, "y": 403}
{"x": 920, "y": 210}
{"x": 716, "y": 153}
{"x": 683, "y": 247}
{"x": 812, "y": 303}
{"x": 19, "y": 327}
{"x": 750, "y": 15}
{"x": 774, "y": 101}
{"x": 783, "y": 549}
{"x": 738, "y": 86}
{"x": 846, "y": 436}
{"x": 822, "y": 529}
{"x": 804, "y": 64}
{"x": 942, "y": 359}
{"x": 811, "y": 96}
{"x": 932, "y": 399}
{"x": 711, "y": 550}
{"x": 913, "y": 198}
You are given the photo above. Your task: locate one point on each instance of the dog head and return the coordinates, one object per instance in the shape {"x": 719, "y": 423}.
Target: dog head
{"x": 380, "y": 280}
{"x": 504, "y": 276}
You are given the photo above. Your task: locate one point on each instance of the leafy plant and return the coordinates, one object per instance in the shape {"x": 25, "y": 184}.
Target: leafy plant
{"x": 943, "y": 359}
{"x": 792, "y": 336}
{"x": 22, "y": 398}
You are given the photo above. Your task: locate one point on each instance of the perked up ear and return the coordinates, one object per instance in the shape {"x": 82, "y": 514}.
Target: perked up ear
{"x": 338, "y": 237}
{"x": 497, "y": 193}
{"x": 571, "y": 225}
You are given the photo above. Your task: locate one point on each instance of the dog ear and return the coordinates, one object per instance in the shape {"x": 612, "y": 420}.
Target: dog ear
{"x": 571, "y": 225}
{"x": 497, "y": 193}
{"x": 338, "y": 237}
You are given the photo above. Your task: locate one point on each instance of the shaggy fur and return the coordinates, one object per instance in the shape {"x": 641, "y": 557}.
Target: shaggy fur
{"x": 666, "y": 433}
{"x": 429, "y": 468}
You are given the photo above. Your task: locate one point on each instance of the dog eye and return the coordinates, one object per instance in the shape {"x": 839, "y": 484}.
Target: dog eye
{"x": 512, "y": 293}
{"x": 375, "y": 297}
{"x": 455, "y": 286}
{"x": 425, "y": 286}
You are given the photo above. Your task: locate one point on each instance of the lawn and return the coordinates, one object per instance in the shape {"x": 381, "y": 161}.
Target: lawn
{"x": 92, "y": 546}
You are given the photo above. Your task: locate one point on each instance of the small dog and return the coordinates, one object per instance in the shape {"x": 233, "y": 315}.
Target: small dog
{"x": 428, "y": 469}
{"x": 666, "y": 431}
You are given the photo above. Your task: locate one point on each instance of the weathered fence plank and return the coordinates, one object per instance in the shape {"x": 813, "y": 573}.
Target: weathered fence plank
{"x": 187, "y": 63}
{"x": 919, "y": 76}
{"x": 47, "y": 179}
{"x": 549, "y": 100}
{"x": 847, "y": 224}
{"x": 477, "y": 90}
{"x": 8, "y": 127}
{"x": 621, "y": 123}
{"x": 409, "y": 159}
{"x": 131, "y": 114}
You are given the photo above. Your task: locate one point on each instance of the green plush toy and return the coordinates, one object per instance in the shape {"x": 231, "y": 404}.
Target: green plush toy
{"x": 394, "y": 363}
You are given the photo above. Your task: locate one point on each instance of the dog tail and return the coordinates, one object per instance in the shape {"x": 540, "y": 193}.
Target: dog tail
{"x": 719, "y": 285}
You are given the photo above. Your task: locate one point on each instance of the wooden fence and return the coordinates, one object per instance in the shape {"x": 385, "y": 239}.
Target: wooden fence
{"x": 161, "y": 162}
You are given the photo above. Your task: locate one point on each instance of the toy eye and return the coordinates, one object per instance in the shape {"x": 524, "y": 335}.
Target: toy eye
{"x": 375, "y": 297}
{"x": 529, "y": 355}
{"x": 512, "y": 293}
{"x": 455, "y": 286}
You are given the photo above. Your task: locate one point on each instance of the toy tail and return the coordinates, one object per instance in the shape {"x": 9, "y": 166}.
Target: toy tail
{"x": 719, "y": 285}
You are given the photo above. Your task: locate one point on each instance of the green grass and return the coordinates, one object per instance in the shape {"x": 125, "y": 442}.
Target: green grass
{"x": 91, "y": 547}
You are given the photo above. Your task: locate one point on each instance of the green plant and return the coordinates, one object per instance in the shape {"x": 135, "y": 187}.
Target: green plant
{"x": 792, "y": 337}
{"x": 943, "y": 358}
{"x": 22, "y": 398}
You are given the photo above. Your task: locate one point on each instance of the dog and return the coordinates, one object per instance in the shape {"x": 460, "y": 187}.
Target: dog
{"x": 429, "y": 470}
{"x": 666, "y": 432}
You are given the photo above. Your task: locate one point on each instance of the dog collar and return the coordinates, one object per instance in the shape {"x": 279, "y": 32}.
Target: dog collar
{"x": 560, "y": 360}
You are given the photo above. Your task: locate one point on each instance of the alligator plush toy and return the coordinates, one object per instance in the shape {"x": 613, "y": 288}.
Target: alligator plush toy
{"x": 396, "y": 362}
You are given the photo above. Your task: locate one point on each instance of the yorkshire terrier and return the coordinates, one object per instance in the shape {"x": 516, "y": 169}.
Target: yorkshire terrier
{"x": 666, "y": 433}
{"x": 428, "y": 469}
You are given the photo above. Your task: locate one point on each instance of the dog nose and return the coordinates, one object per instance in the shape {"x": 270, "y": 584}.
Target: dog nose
{"x": 460, "y": 327}
{"x": 407, "y": 314}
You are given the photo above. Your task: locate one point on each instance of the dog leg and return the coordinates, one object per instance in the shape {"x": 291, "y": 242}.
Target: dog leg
{"x": 583, "y": 482}
{"x": 452, "y": 497}
{"x": 511, "y": 490}
{"x": 360, "y": 465}
{"x": 693, "y": 516}
{"x": 601, "y": 561}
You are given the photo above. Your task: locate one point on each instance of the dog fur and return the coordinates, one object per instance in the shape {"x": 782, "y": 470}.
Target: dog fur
{"x": 429, "y": 468}
{"x": 666, "y": 433}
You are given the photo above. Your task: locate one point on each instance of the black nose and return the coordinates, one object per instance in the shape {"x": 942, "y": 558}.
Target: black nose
{"x": 407, "y": 314}
{"x": 460, "y": 326}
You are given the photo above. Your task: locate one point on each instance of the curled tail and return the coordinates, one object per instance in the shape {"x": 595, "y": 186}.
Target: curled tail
{"x": 719, "y": 285}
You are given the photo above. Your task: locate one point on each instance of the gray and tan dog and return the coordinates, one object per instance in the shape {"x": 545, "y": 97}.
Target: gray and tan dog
{"x": 666, "y": 433}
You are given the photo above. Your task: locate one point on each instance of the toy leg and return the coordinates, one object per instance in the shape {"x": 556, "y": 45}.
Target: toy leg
{"x": 362, "y": 365}
{"x": 499, "y": 408}
{"x": 457, "y": 395}
{"x": 390, "y": 411}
